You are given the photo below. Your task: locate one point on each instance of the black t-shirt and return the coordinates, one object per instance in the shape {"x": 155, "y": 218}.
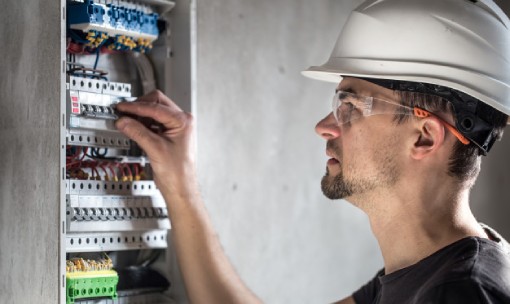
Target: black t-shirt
{"x": 471, "y": 270}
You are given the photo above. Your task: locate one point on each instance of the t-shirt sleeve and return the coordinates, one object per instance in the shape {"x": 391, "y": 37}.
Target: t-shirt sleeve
{"x": 460, "y": 292}
{"x": 368, "y": 292}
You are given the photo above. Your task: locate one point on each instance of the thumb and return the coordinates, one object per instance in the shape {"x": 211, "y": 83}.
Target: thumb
{"x": 136, "y": 131}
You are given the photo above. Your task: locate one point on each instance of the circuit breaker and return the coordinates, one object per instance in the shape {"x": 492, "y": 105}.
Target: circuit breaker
{"x": 116, "y": 223}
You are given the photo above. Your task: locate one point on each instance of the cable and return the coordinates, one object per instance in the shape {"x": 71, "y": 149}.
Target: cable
{"x": 106, "y": 177}
{"x": 145, "y": 70}
{"x": 97, "y": 58}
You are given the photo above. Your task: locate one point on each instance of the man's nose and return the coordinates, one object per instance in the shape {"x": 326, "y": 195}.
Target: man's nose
{"x": 328, "y": 127}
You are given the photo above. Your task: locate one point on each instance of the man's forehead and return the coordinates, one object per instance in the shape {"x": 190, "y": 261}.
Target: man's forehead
{"x": 363, "y": 87}
{"x": 354, "y": 84}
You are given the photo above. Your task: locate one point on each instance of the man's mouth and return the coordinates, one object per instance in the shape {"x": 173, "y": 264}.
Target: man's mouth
{"x": 332, "y": 161}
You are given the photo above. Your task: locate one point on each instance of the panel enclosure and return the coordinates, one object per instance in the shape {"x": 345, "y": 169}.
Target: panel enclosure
{"x": 115, "y": 51}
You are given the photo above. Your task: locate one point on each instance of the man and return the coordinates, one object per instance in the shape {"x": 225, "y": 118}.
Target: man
{"x": 423, "y": 94}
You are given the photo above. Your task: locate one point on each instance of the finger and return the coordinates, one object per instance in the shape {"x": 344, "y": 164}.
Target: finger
{"x": 139, "y": 133}
{"x": 166, "y": 116}
{"x": 157, "y": 96}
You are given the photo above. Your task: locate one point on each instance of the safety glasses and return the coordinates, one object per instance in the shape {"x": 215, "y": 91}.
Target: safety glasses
{"x": 349, "y": 106}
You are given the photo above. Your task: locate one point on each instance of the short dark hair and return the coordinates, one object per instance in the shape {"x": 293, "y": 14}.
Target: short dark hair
{"x": 465, "y": 160}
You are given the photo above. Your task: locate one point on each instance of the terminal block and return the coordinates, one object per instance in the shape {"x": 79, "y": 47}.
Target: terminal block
{"x": 87, "y": 279}
{"x": 119, "y": 25}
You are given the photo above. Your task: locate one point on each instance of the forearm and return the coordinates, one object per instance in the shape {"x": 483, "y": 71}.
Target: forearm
{"x": 208, "y": 275}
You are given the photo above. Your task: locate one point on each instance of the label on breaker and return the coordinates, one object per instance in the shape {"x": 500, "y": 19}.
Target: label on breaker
{"x": 74, "y": 122}
{"x": 75, "y": 102}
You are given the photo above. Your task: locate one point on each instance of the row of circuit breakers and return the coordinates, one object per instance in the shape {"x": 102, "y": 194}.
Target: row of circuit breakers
{"x": 112, "y": 202}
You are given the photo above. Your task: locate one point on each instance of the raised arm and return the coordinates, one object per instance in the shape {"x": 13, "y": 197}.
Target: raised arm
{"x": 166, "y": 136}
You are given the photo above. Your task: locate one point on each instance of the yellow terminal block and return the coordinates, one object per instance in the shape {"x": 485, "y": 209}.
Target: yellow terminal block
{"x": 90, "y": 279}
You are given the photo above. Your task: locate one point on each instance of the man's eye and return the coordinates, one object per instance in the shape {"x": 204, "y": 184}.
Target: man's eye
{"x": 346, "y": 106}
{"x": 346, "y": 110}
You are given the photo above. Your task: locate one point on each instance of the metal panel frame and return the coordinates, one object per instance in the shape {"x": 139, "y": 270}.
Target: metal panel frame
{"x": 33, "y": 131}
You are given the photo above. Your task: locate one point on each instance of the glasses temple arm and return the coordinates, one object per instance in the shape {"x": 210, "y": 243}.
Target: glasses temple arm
{"x": 424, "y": 113}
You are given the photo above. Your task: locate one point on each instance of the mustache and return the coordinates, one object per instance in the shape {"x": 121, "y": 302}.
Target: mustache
{"x": 332, "y": 146}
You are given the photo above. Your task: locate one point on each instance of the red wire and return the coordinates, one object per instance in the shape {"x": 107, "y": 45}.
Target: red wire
{"x": 75, "y": 48}
{"x": 84, "y": 153}
{"x": 104, "y": 170}
{"x": 96, "y": 172}
{"x": 120, "y": 169}
{"x": 114, "y": 175}
{"x": 130, "y": 173}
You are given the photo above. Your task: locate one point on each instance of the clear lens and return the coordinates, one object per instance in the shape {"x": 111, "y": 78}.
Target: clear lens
{"x": 349, "y": 106}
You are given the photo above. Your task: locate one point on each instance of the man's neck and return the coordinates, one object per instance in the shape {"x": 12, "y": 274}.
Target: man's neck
{"x": 411, "y": 226}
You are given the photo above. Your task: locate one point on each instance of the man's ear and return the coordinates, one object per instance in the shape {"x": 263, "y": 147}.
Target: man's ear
{"x": 429, "y": 137}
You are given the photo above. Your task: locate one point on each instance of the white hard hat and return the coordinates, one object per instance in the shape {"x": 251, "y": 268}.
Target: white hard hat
{"x": 459, "y": 44}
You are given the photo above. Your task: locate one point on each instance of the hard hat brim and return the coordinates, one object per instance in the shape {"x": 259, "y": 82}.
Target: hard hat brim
{"x": 336, "y": 68}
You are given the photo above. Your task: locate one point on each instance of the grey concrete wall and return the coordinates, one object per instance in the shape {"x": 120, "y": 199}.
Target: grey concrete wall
{"x": 29, "y": 151}
{"x": 505, "y": 5}
{"x": 490, "y": 198}
{"x": 260, "y": 161}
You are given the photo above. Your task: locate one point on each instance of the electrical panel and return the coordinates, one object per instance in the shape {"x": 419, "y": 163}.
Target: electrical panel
{"x": 116, "y": 220}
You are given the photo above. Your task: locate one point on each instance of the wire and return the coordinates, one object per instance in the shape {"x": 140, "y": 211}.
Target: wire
{"x": 106, "y": 177}
{"x": 115, "y": 176}
{"x": 98, "y": 51}
{"x": 129, "y": 175}
{"x": 85, "y": 162}
{"x": 77, "y": 37}
{"x": 137, "y": 172}
{"x": 84, "y": 153}
{"x": 97, "y": 175}
{"x": 145, "y": 70}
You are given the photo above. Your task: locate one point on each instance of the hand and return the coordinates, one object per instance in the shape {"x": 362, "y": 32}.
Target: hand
{"x": 164, "y": 132}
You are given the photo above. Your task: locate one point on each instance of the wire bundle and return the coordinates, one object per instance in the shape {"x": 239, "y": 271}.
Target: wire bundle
{"x": 82, "y": 165}
{"x": 80, "y": 264}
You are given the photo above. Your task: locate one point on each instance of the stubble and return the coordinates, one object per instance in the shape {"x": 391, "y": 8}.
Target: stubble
{"x": 357, "y": 182}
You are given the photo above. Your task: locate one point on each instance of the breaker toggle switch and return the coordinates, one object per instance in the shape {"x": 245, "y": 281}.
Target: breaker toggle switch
{"x": 98, "y": 112}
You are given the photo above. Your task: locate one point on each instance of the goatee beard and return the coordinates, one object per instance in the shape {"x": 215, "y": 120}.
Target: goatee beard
{"x": 336, "y": 187}
{"x": 385, "y": 174}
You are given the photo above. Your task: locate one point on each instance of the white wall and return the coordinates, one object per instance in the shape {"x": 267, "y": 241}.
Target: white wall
{"x": 490, "y": 196}
{"x": 260, "y": 161}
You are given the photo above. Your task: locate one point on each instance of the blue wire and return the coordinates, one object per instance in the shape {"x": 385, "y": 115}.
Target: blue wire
{"x": 97, "y": 56}
{"x": 98, "y": 50}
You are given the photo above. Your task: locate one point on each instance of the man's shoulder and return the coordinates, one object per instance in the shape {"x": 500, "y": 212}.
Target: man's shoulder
{"x": 473, "y": 257}
{"x": 476, "y": 271}
{"x": 466, "y": 291}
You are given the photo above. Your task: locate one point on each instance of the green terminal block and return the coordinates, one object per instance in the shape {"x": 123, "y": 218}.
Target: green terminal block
{"x": 91, "y": 284}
